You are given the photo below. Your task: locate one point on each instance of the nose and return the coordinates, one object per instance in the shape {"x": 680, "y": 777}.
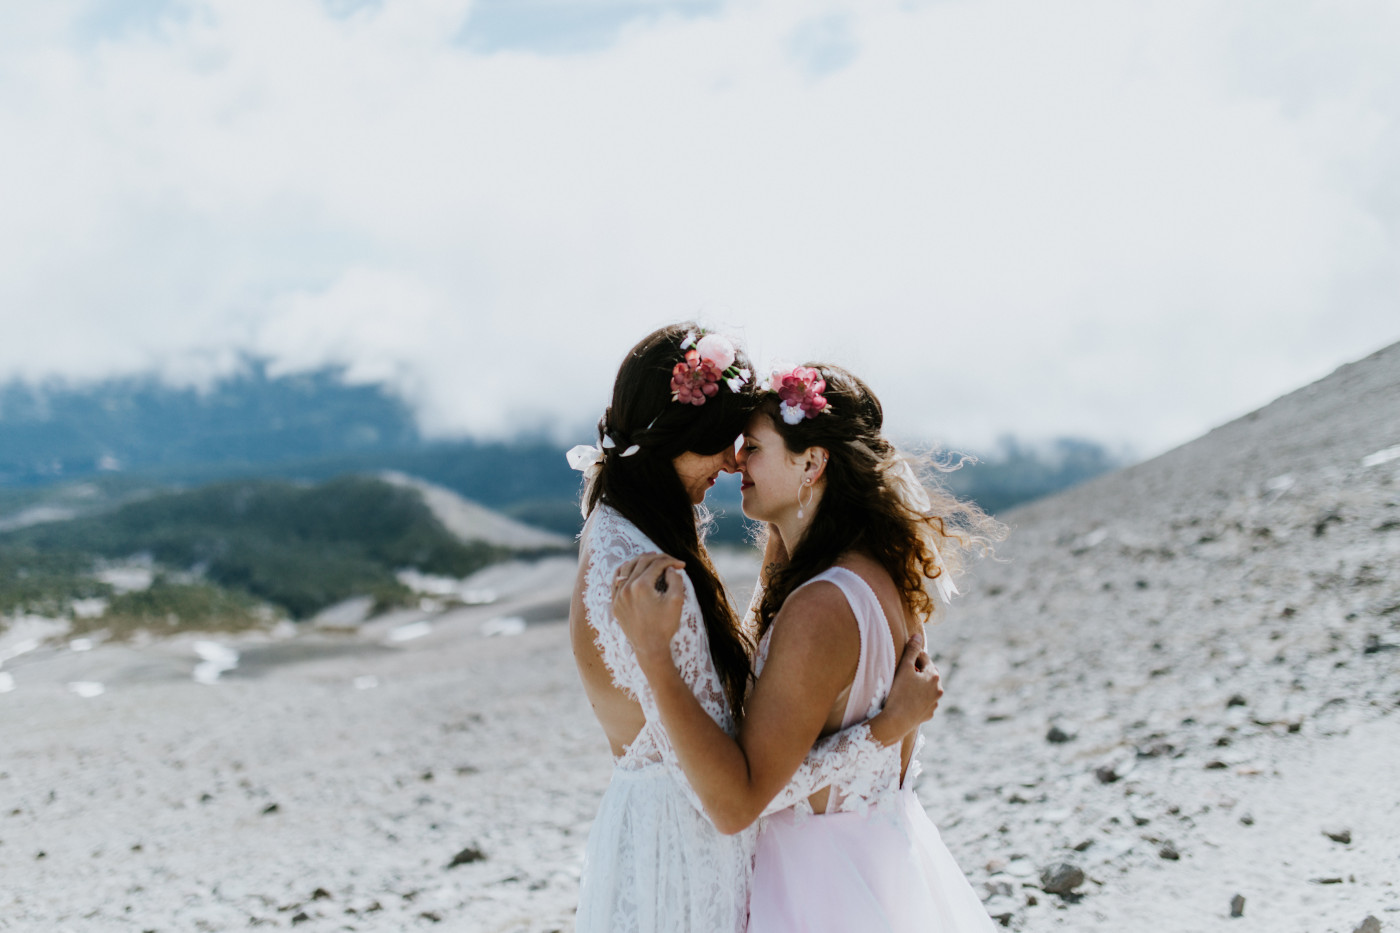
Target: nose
{"x": 741, "y": 456}
{"x": 730, "y": 464}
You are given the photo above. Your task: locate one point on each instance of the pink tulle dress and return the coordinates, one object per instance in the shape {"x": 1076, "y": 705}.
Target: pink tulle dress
{"x": 874, "y": 861}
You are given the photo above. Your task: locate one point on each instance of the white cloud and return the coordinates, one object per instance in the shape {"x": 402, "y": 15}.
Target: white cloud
{"x": 1124, "y": 220}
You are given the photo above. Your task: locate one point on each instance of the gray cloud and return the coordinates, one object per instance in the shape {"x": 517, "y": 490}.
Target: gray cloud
{"x": 1126, "y": 221}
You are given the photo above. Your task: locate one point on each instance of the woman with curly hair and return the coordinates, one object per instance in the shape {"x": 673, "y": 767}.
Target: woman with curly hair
{"x": 855, "y": 544}
{"x": 654, "y": 859}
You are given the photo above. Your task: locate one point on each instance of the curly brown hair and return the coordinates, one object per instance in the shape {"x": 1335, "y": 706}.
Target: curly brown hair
{"x": 865, "y": 506}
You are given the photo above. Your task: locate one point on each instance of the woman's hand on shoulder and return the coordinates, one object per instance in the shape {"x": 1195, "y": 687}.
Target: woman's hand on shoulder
{"x": 914, "y": 695}
{"x": 648, "y": 595}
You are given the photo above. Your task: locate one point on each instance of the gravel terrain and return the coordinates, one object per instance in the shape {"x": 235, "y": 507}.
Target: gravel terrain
{"x": 1172, "y": 697}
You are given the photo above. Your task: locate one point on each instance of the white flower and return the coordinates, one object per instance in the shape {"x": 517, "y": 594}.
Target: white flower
{"x": 792, "y": 414}
{"x": 689, "y": 340}
{"x": 717, "y": 350}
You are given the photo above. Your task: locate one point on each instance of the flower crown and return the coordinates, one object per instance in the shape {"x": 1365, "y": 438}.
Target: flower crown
{"x": 708, "y": 359}
{"x": 800, "y": 390}
{"x": 694, "y": 380}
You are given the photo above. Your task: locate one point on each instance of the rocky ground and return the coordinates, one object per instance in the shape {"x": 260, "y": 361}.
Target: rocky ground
{"x": 1173, "y": 695}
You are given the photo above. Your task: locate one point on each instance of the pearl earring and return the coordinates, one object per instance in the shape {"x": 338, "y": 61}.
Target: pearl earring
{"x": 802, "y": 506}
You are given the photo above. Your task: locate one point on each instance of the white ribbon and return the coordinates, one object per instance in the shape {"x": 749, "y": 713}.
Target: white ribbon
{"x": 944, "y": 581}
{"x": 584, "y": 457}
{"x": 911, "y": 491}
{"x": 913, "y": 494}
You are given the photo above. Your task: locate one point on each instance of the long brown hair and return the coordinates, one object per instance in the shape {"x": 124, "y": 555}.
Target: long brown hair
{"x": 864, "y": 507}
{"x": 644, "y": 486}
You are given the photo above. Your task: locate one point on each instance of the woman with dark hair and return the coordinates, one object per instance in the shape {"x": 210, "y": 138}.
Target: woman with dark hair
{"x": 855, "y": 543}
{"x": 654, "y": 860}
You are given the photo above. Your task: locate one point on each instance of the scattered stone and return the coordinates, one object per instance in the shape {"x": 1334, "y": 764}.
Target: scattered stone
{"x": 1320, "y": 526}
{"x": 300, "y": 917}
{"x": 1247, "y": 819}
{"x": 1236, "y": 700}
{"x": 1216, "y": 765}
{"x": 1369, "y": 925}
{"x": 432, "y": 915}
{"x": 1374, "y": 645}
{"x": 1115, "y": 767}
{"x": 1001, "y": 915}
{"x": 1082, "y": 846}
{"x": 320, "y": 894}
{"x": 270, "y": 808}
{"x": 1326, "y": 880}
{"x": 999, "y": 888}
{"x": 1061, "y": 878}
{"x": 1169, "y": 853}
{"x": 466, "y": 857}
{"x": 1059, "y": 735}
{"x": 1338, "y": 834}
{"x": 1237, "y": 905}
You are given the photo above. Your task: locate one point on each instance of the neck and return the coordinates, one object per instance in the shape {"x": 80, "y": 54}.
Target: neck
{"x": 792, "y": 529}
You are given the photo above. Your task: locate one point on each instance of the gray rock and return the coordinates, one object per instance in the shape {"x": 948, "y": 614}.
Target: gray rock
{"x": 1169, "y": 853}
{"x": 1061, "y": 878}
{"x": 1338, "y": 834}
{"x": 1369, "y": 925}
{"x": 1237, "y": 905}
{"x": 466, "y": 857}
{"x": 1116, "y": 766}
{"x": 1059, "y": 734}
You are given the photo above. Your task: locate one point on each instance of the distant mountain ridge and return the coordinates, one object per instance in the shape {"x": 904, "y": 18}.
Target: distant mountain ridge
{"x": 55, "y": 430}
{"x": 131, "y": 434}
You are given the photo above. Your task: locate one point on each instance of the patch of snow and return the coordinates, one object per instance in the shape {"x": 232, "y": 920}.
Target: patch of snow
{"x": 93, "y": 608}
{"x": 1381, "y": 456}
{"x": 410, "y": 631}
{"x": 503, "y": 626}
{"x": 215, "y": 659}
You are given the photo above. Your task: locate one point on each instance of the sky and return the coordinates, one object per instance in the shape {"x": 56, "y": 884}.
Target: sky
{"x": 1127, "y": 221}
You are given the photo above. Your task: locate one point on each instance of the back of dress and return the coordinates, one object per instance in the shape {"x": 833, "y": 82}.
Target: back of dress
{"x": 654, "y": 861}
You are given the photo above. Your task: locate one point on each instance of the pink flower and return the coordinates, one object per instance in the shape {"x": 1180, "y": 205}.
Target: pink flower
{"x": 800, "y": 390}
{"x": 694, "y": 380}
{"x": 718, "y": 350}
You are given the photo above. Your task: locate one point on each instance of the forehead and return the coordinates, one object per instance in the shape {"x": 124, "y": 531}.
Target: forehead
{"x": 760, "y": 428}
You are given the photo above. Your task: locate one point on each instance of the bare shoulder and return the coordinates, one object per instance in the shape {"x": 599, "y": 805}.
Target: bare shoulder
{"x": 816, "y": 619}
{"x": 872, "y": 572}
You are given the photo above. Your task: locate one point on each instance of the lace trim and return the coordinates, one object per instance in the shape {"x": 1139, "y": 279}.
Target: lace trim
{"x": 609, "y": 541}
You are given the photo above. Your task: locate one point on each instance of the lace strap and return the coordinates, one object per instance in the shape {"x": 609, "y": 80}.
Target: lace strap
{"x": 607, "y": 545}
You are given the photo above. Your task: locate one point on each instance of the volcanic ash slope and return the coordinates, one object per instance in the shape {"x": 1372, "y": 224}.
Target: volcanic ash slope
{"x": 1182, "y": 678}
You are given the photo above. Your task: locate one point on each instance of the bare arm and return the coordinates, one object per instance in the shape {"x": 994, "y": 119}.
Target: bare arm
{"x": 808, "y": 666}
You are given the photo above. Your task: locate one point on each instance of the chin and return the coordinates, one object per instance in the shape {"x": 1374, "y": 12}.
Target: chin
{"x": 751, "y": 511}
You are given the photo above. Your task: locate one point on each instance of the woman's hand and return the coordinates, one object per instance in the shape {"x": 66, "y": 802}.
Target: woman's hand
{"x": 914, "y": 695}
{"x": 648, "y": 593}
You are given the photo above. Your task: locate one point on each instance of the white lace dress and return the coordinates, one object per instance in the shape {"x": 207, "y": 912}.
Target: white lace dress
{"x": 654, "y": 863}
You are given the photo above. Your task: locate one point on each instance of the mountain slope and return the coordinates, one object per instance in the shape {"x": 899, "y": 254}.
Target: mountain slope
{"x": 1199, "y": 623}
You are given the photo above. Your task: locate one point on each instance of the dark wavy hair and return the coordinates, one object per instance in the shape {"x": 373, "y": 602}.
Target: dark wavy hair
{"x": 865, "y": 505}
{"x": 645, "y": 488}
